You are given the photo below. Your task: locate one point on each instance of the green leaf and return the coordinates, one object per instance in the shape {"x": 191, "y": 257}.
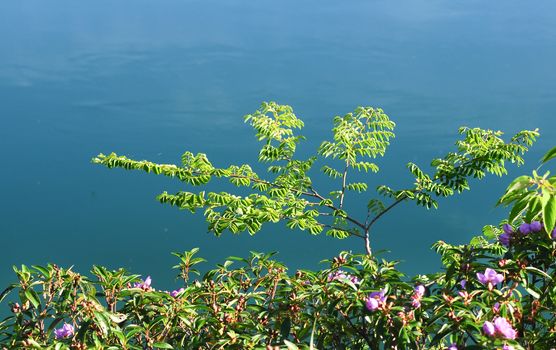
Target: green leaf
{"x": 162, "y": 345}
{"x": 489, "y": 232}
{"x": 549, "y": 155}
{"x": 102, "y": 322}
{"x": 117, "y": 318}
{"x": 290, "y": 345}
{"x": 549, "y": 212}
{"x": 538, "y": 272}
{"x": 32, "y": 297}
{"x": 533, "y": 209}
{"x": 7, "y": 291}
{"x": 518, "y": 209}
{"x": 533, "y": 293}
{"x": 285, "y": 327}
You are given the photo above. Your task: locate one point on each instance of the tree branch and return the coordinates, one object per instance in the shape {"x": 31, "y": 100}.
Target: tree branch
{"x": 344, "y": 178}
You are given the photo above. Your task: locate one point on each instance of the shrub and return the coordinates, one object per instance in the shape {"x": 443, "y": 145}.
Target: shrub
{"x": 498, "y": 291}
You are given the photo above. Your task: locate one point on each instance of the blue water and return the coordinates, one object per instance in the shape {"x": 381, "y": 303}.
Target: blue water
{"x": 151, "y": 79}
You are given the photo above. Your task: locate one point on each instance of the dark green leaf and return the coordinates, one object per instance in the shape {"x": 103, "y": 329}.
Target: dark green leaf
{"x": 549, "y": 212}
{"x": 549, "y": 155}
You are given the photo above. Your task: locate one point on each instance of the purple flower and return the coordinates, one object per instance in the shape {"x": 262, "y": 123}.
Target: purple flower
{"x": 488, "y": 328}
{"x": 504, "y": 328}
{"x": 553, "y": 235}
{"x": 341, "y": 275}
{"x": 500, "y": 328}
{"x": 504, "y": 239}
{"x": 175, "y": 293}
{"x": 418, "y": 293}
{"x": 508, "y": 229}
{"x": 535, "y": 226}
{"x": 496, "y": 307}
{"x": 371, "y": 304}
{"x": 66, "y": 331}
{"x": 525, "y": 228}
{"x": 463, "y": 283}
{"x": 415, "y": 302}
{"x": 145, "y": 285}
{"x": 333, "y": 276}
{"x": 380, "y": 295}
{"x": 375, "y": 299}
{"x": 452, "y": 347}
{"x": 420, "y": 290}
{"x": 508, "y": 347}
{"x": 490, "y": 277}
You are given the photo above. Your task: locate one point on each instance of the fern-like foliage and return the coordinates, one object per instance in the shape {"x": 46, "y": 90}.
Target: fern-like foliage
{"x": 286, "y": 193}
{"x": 479, "y": 152}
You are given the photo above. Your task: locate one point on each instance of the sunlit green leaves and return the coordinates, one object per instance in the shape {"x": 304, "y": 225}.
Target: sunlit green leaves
{"x": 288, "y": 194}
{"x": 364, "y": 133}
{"x": 275, "y": 125}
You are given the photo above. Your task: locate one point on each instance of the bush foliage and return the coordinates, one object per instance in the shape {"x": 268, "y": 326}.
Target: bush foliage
{"x": 498, "y": 291}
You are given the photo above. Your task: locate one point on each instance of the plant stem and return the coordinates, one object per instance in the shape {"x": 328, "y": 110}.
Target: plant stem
{"x": 344, "y": 178}
{"x": 368, "y": 243}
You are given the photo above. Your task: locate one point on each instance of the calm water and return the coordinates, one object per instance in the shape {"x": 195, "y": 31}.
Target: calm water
{"x": 152, "y": 79}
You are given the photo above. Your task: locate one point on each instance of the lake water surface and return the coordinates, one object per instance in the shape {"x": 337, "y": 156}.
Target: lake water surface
{"x": 151, "y": 79}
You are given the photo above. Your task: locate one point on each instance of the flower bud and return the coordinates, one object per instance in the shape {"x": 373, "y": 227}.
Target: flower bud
{"x": 16, "y": 308}
{"x": 508, "y": 229}
{"x": 504, "y": 239}
{"x": 525, "y": 228}
{"x": 535, "y": 226}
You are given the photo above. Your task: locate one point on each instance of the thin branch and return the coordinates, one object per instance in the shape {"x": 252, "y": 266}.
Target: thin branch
{"x": 344, "y": 178}
{"x": 368, "y": 243}
{"x": 379, "y": 215}
{"x": 348, "y": 218}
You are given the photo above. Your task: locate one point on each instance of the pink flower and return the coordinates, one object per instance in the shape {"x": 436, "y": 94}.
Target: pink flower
{"x": 66, "y": 331}
{"x": 500, "y": 328}
{"x": 418, "y": 293}
{"x": 145, "y": 285}
{"x": 341, "y": 275}
{"x": 508, "y": 347}
{"x": 504, "y": 328}
{"x": 490, "y": 277}
{"x": 336, "y": 275}
{"x": 415, "y": 302}
{"x": 175, "y": 293}
{"x": 452, "y": 347}
{"x": 372, "y": 304}
{"x": 489, "y": 329}
{"x": 375, "y": 300}
{"x": 420, "y": 290}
